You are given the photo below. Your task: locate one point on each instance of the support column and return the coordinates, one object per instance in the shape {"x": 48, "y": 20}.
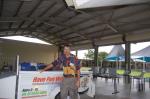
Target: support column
{"x": 59, "y": 50}
{"x": 127, "y": 59}
{"x": 95, "y": 69}
{"x": 77, "y": 53}
{"x": 95, "y": 55}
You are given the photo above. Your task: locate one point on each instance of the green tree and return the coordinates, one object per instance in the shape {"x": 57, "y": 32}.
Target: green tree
{"x": 102, "y": 55}
{"x": 90, "y": 55}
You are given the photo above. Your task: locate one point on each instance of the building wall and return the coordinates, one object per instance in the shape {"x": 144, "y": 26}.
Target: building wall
{"x": 28, "y": 52}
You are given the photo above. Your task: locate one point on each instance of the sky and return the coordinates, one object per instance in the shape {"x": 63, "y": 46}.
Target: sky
{"x": 134, "y": 48}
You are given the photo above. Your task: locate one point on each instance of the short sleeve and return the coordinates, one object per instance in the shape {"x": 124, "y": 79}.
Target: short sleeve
{"x": 57, "y": 62}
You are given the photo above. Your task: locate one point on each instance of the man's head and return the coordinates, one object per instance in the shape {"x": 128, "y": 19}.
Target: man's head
{"x": 67, "y": 49}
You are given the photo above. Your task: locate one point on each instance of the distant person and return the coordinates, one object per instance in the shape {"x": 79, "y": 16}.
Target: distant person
{"x": 71, "y": 73}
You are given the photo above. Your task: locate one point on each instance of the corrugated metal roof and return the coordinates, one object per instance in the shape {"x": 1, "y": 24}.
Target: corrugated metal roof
{"x": 54, "y": 22}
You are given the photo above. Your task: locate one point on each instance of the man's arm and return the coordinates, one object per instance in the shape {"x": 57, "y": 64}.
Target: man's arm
{"x": 78, "y": 75}
{"x": 56, "y": 62}
{"x": 49, "y": 66}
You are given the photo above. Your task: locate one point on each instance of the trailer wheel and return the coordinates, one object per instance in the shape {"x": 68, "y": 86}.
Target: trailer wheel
{"x": 57, "y": 96}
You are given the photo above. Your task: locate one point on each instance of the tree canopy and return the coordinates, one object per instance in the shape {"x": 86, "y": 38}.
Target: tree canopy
{"x": 90, "y": 55}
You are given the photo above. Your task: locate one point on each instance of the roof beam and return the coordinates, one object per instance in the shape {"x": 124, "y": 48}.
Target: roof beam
{"x": 117, "y": 31}
{"x": 20, "y": 29}
{"x": 123, "y": 32}
{"x": 16, "y": 19}
{"x": 32, "y": 11}
{"x": 30, "y": 19}
{"x": 60, "y": 10}
{"x": 12, "y": 34}
{"x": 23, "y": 34}
{"x": 47, "y": 9}
{"x": 98, "y": 18}
{"x": 17, "y": 11}
{"x": 1, "y": 7}
{"x": 43, "y": 20}
{"x": 114, "y": 28}
{"x": 131, "y": 22}
{"x": 83, "y": 21}
{"x": 41, "y": 14}
{"x": 74, "y": 26}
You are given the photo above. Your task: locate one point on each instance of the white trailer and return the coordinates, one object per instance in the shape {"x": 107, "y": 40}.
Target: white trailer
{"x": 46, "y": 85}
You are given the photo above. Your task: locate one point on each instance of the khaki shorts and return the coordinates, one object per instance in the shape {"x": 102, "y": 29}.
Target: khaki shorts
{"x": 68, "y": 87}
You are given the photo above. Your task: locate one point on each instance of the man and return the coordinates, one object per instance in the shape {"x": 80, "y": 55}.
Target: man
{"x": 71, "y": 73}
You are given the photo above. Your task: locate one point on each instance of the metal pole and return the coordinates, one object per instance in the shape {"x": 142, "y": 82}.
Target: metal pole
{"x": 143, "y": 64}
{"x": 95, "y": 60}
{"x": 127, "y": 60}
{"x": 17, "y": 76}
{"x": 121, "y": 64}
{"x": 115, "y": 87}
{"x": 116, "y": 64}
{"x": 96, "y": 56}
{"x": 17, "y": 64}
{"x": 135, "y": 65}
{"x": 77, "y": 53}
{"x": 101, "y": 63}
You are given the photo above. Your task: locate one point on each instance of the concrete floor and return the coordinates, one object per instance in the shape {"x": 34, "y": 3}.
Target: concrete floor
{"x": 104, "y": 91}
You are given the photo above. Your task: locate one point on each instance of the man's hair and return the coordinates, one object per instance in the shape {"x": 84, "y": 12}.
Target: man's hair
{"x": 67, "y": 46}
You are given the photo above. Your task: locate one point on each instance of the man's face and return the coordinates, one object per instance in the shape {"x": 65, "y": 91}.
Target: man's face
{"x": 66, "y": 50}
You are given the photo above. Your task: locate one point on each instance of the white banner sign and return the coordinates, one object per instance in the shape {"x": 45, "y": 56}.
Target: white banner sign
{"x": 39, "y": 85}
{"x": 46, "y": 85}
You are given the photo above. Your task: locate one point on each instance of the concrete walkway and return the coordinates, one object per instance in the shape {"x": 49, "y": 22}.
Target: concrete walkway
{"x": 104, "y": 90}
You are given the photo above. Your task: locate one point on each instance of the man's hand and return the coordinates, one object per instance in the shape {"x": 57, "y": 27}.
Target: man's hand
{"x": 41, "y": 71}
{"x": 73, "y": 67}
{"x": 46, "y": 68}
{"x": 78, "y": 83}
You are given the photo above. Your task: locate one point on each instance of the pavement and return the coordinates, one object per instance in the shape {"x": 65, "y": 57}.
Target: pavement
{"x": 104, "y": 90}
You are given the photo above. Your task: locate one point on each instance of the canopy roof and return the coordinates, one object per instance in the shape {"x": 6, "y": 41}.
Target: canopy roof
{"x": 55, "y": 22}
{"x": 117, "y": 53}
{"x": 143, "y": 53}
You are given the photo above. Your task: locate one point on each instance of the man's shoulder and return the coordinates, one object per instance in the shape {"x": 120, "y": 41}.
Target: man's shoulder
{"x": 73, "y": 56}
